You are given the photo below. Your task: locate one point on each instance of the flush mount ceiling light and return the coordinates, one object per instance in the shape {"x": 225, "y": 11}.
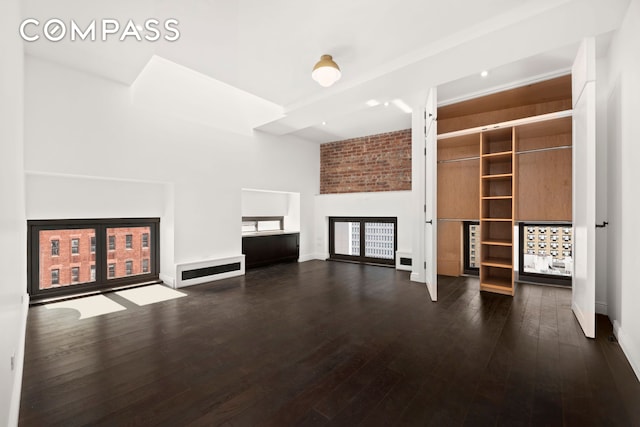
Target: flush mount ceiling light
{"x": 326, "y": 72}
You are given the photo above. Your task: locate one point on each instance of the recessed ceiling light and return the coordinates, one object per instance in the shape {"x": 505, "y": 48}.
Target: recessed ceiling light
{"x": 386, "y": 104}
{"x": 484, "y": 73}
{"x": 402, "y": 105}
{"x": 372, "y": 103}
{"x": 324, "y": 123}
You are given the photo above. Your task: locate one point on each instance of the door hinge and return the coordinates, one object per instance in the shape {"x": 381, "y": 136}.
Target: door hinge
{"x": 425, "y": 265}
{"x": 425, "y": 208}
{"x": 425, "y": 151}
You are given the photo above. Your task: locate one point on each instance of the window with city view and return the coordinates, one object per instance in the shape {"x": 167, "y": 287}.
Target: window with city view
{"x": 70, "y": 255}
{"x": 372, "y": 240}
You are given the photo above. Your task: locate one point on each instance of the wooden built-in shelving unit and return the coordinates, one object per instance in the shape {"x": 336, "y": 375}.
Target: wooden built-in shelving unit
{"x": 502, "y": 158}
{"x": 497, "y": 209}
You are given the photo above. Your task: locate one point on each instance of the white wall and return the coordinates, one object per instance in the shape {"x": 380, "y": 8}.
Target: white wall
{"x": 387, "y": 203}
{"x": 13, "y": 286}
{"x": 623, "y": 131}
{"x": 75, "y": 197}
{"x": 78, "y": 124}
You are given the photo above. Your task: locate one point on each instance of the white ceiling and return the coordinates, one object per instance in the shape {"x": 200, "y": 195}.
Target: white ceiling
{"x": 386, "y": 49}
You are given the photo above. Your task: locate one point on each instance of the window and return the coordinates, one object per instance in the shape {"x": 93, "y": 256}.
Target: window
{"x": 75, "y": 246}
{"x": 541, "y": 258}
{"x": 55, "y": 247}
{"x": 129, "y": 235}
{"x": 101, "y": 266}
{"x": 371, "y": 240}
{"x": 471, "y": 247}
{"x": 262, "y": 223}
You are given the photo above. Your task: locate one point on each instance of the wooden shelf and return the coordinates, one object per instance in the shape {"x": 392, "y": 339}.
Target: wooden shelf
{"x": 498, "y": 176}
{"x": 501, "y": 154}
{"x": 497, "y": 197}
{"x": 497, "y": 262}
{"x": 497, "y": 219}
{"x": 497, "y": 242}
{"x": 497, "y": 286}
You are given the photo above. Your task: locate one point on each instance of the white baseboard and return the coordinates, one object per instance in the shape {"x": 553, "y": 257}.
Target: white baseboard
{"x": 320, "y": 256}
{"x": 306, "y": 257}
{"x": 168, "y": 280}
{"x": 14, "y": 409}
{"x": 630, "y": 348}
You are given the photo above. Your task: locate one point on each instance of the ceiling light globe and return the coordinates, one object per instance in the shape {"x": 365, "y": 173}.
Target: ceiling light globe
{"x": 326, "y": 72}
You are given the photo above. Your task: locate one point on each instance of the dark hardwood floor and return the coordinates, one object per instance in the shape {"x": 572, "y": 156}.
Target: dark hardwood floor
{"x": 327, "y": 343}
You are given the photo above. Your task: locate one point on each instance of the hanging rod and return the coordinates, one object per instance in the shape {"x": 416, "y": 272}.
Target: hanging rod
{"x": 537, "y": 150}
{"x": 459, "y": 160}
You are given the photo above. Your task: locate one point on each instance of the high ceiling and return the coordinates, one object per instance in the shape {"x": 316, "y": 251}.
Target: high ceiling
{"x": 387, "y": 50}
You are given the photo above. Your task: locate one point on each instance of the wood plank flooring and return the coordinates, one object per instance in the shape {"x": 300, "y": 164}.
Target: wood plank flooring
{"x": 328, "y": 343}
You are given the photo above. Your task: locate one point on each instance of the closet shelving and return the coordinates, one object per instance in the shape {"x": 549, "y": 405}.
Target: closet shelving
{"x": 497, "y": 190}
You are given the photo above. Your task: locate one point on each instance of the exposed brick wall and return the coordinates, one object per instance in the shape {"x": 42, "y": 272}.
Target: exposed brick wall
{"x": 371, "y": 163}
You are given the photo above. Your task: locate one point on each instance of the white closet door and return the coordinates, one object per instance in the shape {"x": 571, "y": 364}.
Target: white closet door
{"x": 431, "y": 189}
{"x": 584, "y": 187}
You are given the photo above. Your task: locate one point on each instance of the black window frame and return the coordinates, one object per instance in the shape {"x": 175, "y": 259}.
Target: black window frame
{"x": 102, "y": 282}
{"x": 539, "y": 277}
{"x": 362, "y": 258}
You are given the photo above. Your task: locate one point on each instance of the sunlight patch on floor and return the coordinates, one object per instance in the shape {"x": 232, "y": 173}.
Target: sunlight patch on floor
{"x": 89, "y": 306}
{"x": 150, "y": 294}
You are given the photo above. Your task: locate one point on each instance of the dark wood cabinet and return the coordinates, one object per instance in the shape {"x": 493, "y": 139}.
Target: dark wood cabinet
{"x": 267, "y": 249}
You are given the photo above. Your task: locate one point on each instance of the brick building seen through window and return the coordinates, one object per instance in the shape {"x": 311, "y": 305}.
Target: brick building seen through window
{"x": 68, "y": 256}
